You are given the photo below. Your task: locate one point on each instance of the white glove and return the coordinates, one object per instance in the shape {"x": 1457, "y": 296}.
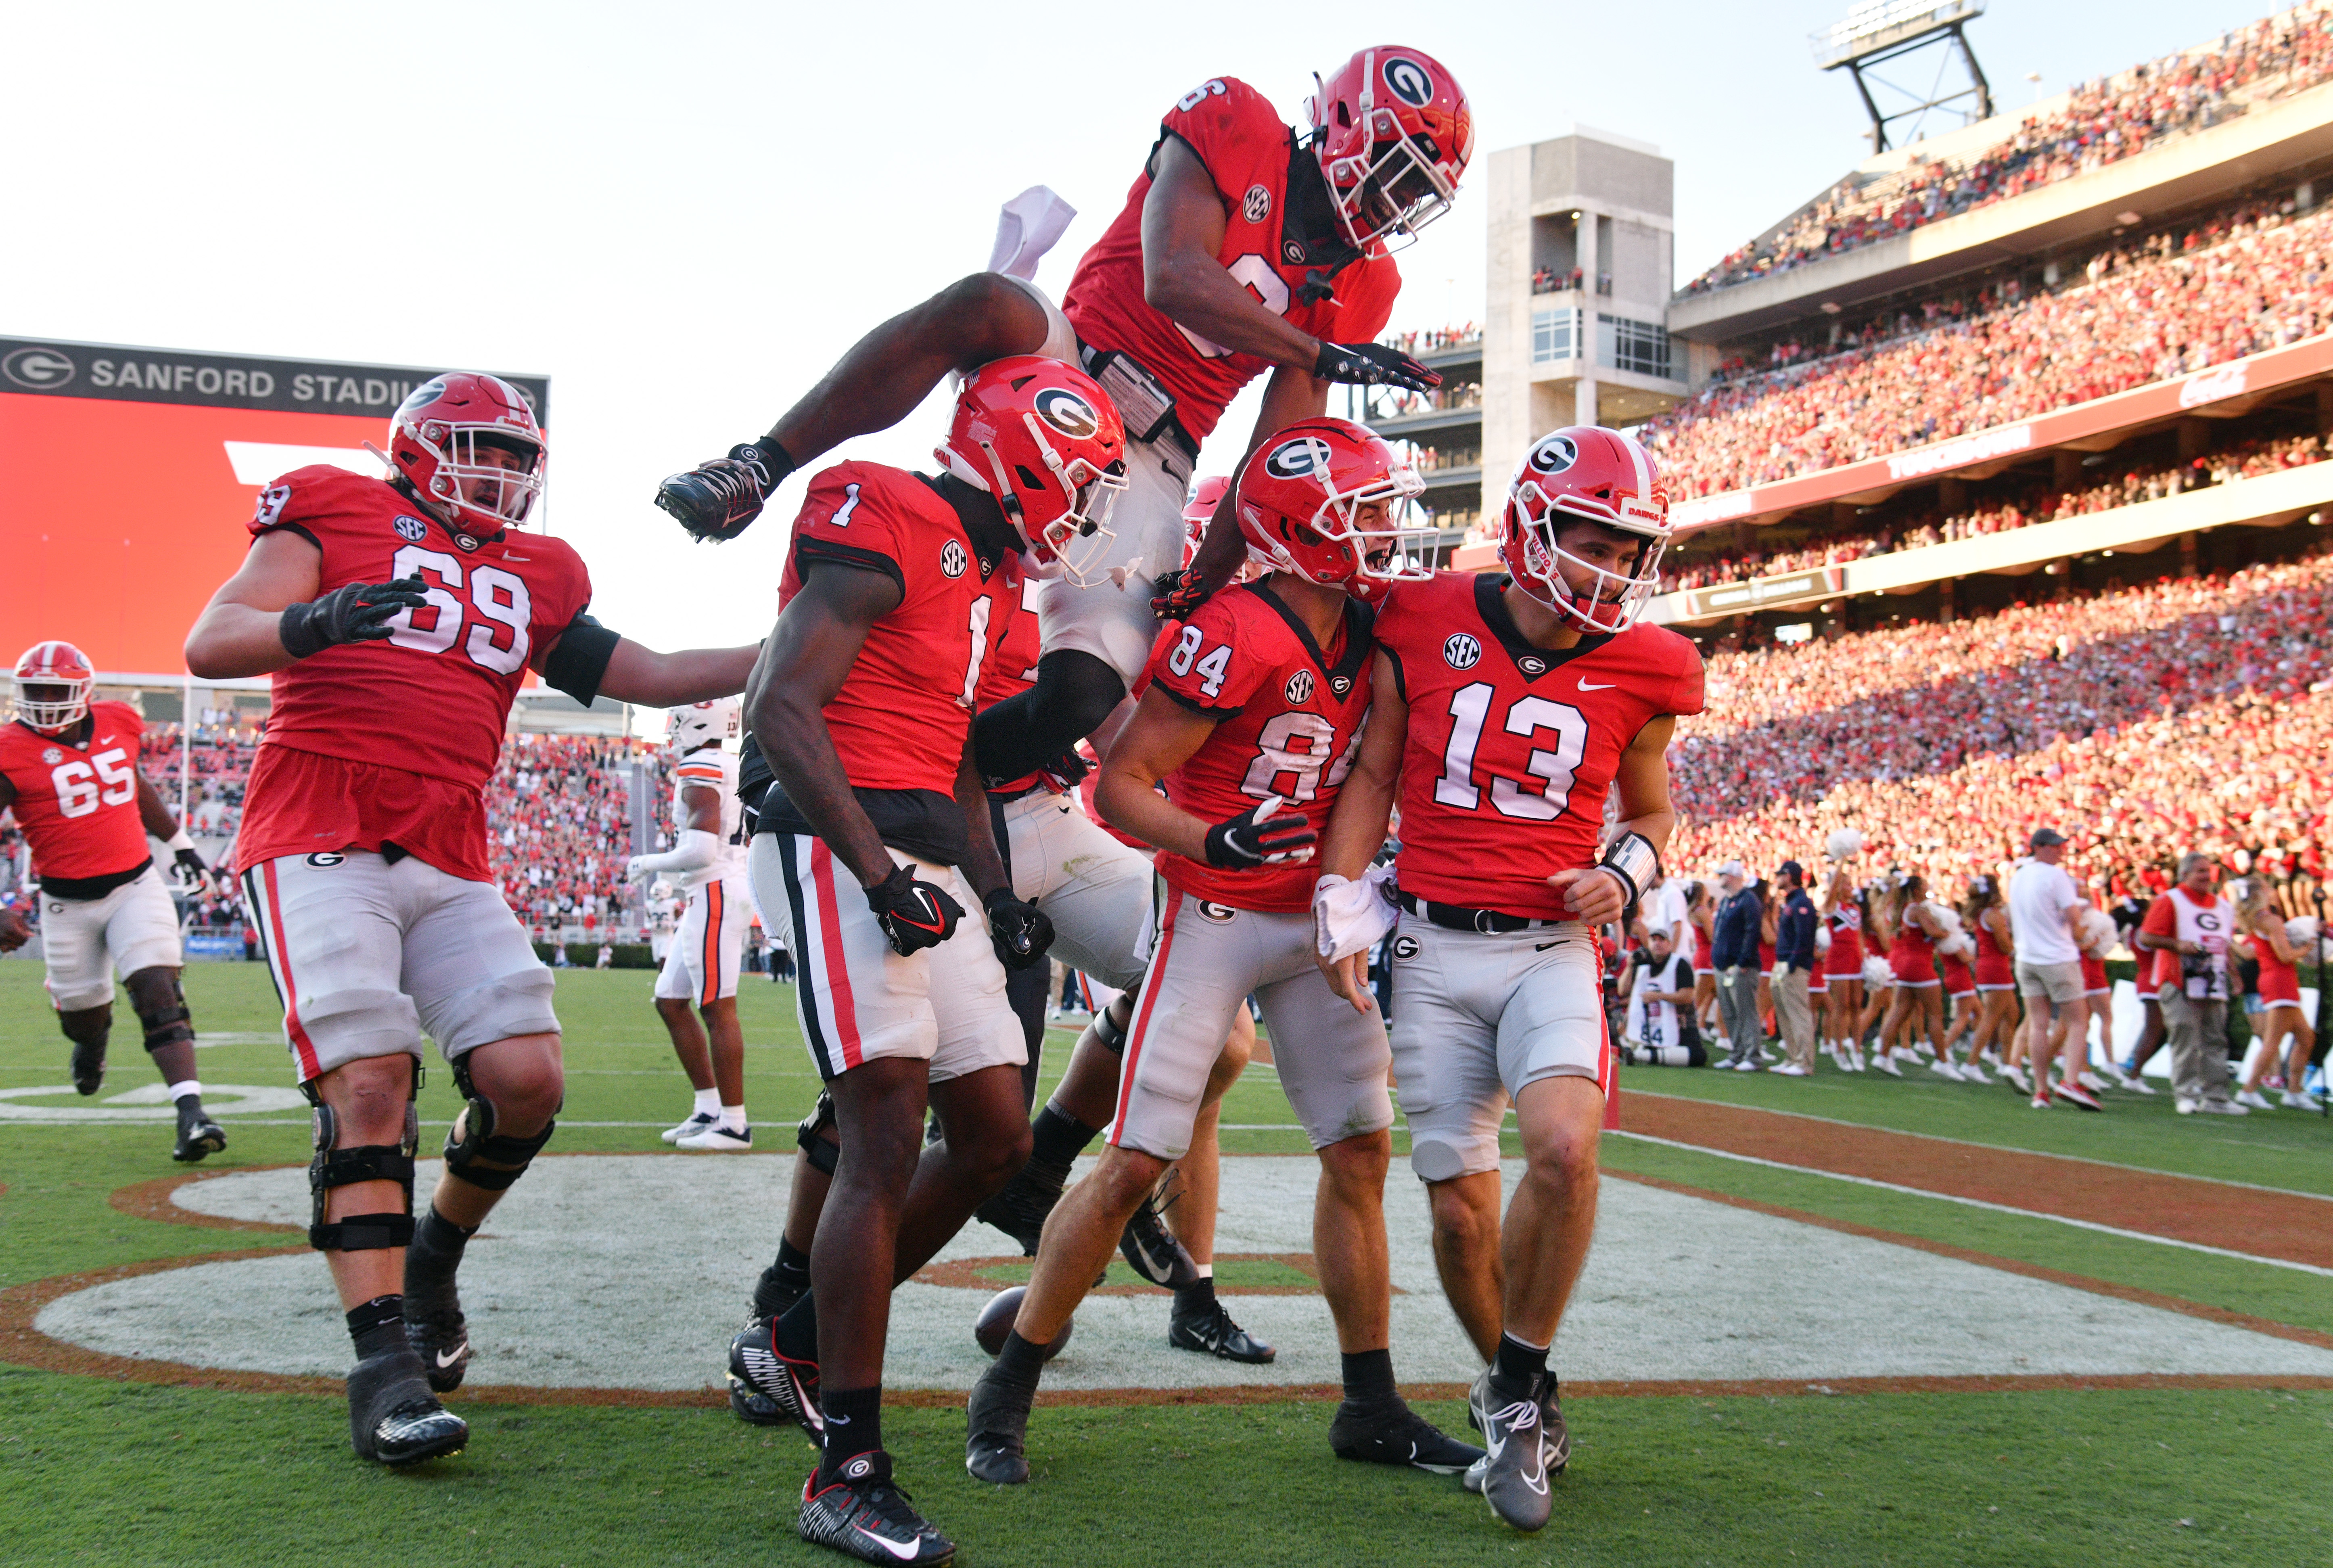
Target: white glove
{"x": 637, "y": 870}
{"x": 1351, "y": 916}
{"x": 695, "y": 851}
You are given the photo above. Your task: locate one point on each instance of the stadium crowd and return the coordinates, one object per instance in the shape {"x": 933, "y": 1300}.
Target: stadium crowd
{"x": 2242, "y": 283}
{"x": 2099, "y": 123}
{"x": 559, "y": 825}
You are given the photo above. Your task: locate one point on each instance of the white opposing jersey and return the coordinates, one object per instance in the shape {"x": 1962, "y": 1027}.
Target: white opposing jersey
{"x": 711, "y": 767}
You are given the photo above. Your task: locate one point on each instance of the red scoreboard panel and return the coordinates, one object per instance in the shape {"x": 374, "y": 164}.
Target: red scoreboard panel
{"x": 127, "y": 475}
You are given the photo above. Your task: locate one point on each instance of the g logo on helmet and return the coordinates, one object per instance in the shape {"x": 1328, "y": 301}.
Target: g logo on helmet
{"x": 1070, "y": 414}
{"x": 1411, "y": 82}
{"x": 1554, "y": 455}
{"x": 1292, "y": 459}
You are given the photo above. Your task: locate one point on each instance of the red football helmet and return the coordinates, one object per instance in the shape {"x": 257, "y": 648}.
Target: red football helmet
{"x": 1329, "y": 501}
{"x": 435, "y": 439}
{"x": 1393, "y": 132}
{"x": 1584, "y": 472}
{"x": 1043, "y": 438}
{"x": 52, "y": 686}
{"x": 1199, "y": 511}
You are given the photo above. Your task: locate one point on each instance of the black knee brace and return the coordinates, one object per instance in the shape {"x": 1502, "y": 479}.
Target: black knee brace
{"x": 473, "y": 1138}
{"x": 1110, "y": 1031}
{"x": 170, "y": 1024}
{"x": 823, "y": 1152}
{"x": 332, "y": 1168}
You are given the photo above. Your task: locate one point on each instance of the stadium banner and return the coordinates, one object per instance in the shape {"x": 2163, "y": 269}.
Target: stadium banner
{"x": 2253, "y": 374}
{"x": 127, "y": 475}
{"x": 212, "y": 947}
{"x": 1765, "y": 592}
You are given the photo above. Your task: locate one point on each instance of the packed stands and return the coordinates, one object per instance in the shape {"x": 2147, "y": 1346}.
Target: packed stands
{"x": 2100, "y": 122}
{"x": 2245, "y": 281}
{"x": 559, "y": 826}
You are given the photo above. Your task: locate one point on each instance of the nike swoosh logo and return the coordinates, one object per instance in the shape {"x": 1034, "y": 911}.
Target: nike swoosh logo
{"x": 447, "y": 1358}
{"x": 1597, "y": 685}
{"x": 904, "y": 1554}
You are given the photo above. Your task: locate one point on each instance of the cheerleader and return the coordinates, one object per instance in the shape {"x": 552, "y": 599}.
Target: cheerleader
{"x": 2271, "y": 937}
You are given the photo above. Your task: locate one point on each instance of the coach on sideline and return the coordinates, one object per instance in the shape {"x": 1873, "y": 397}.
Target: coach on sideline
{"x": 1794, "y": 962}
{"x": 1733, "y": 953}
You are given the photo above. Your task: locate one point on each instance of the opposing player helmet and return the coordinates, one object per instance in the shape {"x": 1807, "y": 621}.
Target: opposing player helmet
{"x": 1329, "y": 501}
{"x": 703, "y": 724}
{"x": 437, "y": 439}
{"x": 52, "y": 686}
{"x": 1041, "y": 436}
{"x": 1393, "y": 132}
{"x": 1584, "y": 472}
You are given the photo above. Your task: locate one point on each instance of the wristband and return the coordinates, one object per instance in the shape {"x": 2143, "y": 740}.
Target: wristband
{"x": 1632, "y": 858}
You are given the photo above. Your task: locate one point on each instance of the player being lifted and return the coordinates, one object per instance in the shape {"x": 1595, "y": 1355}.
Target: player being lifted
{"x": 1243, "y": 247}
{"x": 871, "y": 845}
{"x": 69, "y": 769}
{"x": 1252, "y": 706}
{"x": 1507, "y": 709}
{"x": 708, "y": 862}
{"x": 398, "y": 617}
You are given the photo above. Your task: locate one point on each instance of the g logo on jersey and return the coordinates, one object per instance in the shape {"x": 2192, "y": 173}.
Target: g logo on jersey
{"x": 1461, "y": 652}
{"x": 1256, "y": 205}
{"x": 1300, "y": 687}
{"x": 1067, "y": 412}
{"x": 1220, "y": 914}
{"x": 953, "y": 560}
{"x": 465, "y": 542}
{"x": 1410, "y": 81}
{"x": 1406, "y": 947}
{"x": 412, "y": 530}
{"x": 1292, "y": 253}
{"x": 1554, "y": 455}
{"x": 1292, "y": 459}
{"x": 1341, "y": 684}
{"x": 1530, "y": 666}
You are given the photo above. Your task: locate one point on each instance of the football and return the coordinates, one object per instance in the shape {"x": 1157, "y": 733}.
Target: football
{"x": 996, "y": 1321}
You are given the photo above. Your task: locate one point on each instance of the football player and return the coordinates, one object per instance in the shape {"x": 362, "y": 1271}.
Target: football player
{"x": 1255, "y": 705}
{"x": 398, "y": 617}
{"x": 1507, "y": 709}
{"x": 69, "y": 769}
{"x": 871, "y": 844}
{"x": 708, "y": 949}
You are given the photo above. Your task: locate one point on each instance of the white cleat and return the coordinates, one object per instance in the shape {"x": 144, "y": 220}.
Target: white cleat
{"x": 2253, "y": 1098}
{"x": 1943, "y": 1068}
{"x": 718, "y": 1140}
{"x": 1974, "y": 1072}
{"x": 698, "y": 1120}
{"x": 2299, "y": 1100}
{"x": 1886, "y": 1064}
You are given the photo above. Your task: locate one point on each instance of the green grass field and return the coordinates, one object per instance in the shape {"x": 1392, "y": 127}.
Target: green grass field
{"x": 96, "y": 1471}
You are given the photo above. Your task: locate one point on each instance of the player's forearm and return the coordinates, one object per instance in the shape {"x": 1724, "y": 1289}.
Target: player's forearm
{"x": 641, "y": 674}
{"x": 1357, "y": 824}
{"x": 230, "y": 641}
{"x": 1654, "y": 826}
{"x": 983, "y": 866}
{"x": 800, "y": 752}
{"x": 1132, "y": 804}
{"x": 1196, "y": 293}
{"x": 153, "y": 812}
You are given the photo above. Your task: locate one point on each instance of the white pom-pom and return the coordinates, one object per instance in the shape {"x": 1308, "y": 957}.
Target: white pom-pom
{"x": 1877, "y": 974}
{"x": 2098, "y": 931}
{"x": 2303, "y": 932}
{"x": 1844, "y": 844}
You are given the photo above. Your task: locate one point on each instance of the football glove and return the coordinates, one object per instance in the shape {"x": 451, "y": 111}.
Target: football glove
{"x": 352, "y": 612}
{"x": 1019, "y": 932}
{"x": 1066, "y": 772}
{"x": 1249, "y": 840}
{"x": 1180, "y": 594}
{"x": 14, "y": 932}
{"x": 719, "y": 498}
{"x": 914, "y": 914}
{"x": 1372, "y": 365}
{"x": 192, "y": 874}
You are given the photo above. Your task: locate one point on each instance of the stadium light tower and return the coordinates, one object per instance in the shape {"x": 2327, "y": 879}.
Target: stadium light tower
{"x": 1877, "y": 32}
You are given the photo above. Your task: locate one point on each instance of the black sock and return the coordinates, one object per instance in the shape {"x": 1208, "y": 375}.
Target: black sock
{"x": 378, "y": 1325}
{"x": 1058, "y": 1139}
{"x": 1198, "y": 1296}
{"x": 787, "y": 1279}
{"x": 854, "y": 1425}
{"x": 1518, "y": 1361}
{"x": 432, "y": 1256}
{"x": 437, "y": 1234}
{"x": 1019, "y": 1363}
{"x": 797, "y": 1331}
{"x": 1368, "y": 1378}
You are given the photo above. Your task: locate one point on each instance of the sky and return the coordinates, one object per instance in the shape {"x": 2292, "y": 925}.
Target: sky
{"x": 684, "y": 213}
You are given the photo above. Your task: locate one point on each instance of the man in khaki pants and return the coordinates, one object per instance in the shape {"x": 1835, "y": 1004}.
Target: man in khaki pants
{"x": 1794, "y": 961}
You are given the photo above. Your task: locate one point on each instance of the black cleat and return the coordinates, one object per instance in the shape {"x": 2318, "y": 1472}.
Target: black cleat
{"x": 199, "y": 1135}
{"x": 719, "y": 498}
{"x": 393, "y": 1418}
{"x": 996, "y": 1431}
{"x": 1151, "y": 1249}
{"x": 88, "y": 1066}
{"x": 1394, "y": 1434}
{"x": 1212, "y": 1332}
{"x": 865, "y": 1516}
{"x": 769, "y": 1388}
{"x": 1019, "y": 1208}
{"x": 434, "y": 1325}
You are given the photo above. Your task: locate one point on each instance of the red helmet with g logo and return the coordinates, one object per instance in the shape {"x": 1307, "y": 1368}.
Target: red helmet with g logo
{"x": 1329, "y": 501}
{"x": 1206, "y": 495}
{"x": 1585, "y": 473}
{"x": 52, "y": 686}
{"x": 435, "y": 439}
{"x": 1393, "y": 132}
{"x": 1043, "y": 438}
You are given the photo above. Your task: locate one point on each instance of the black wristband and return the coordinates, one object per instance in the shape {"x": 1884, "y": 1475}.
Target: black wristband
{"x": 781, "y": 461}
{"x": 295, "y": 628}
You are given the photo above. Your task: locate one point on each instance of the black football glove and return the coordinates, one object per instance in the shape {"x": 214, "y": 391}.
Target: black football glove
{"x": 914, "y": 914}
{"x": 1019, "y": 932}
{"x": 1180, "y": 594}
{"x": 352, "y": 612}
{"x": 719, "y": 498}
{"x": 193, "y": 875}
{"x": 1066, "y": 772}
{"x": 1372, "y": 365}
{"x": 1249, "y": 840}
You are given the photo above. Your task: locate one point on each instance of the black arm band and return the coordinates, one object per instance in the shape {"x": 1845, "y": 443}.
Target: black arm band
{"x": 577, "y": 664}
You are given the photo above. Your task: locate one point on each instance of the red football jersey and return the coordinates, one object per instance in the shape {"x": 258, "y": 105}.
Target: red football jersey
{"x": 1511, "y": 748}
{"x": 1247, "y": 151}
{"x": 1289, "y": 713}
{"x": 900, "y": 720}
{"x": 78, "y": 804}
{"x": 1011, "y": 668}
{"x": 392, "y": 742}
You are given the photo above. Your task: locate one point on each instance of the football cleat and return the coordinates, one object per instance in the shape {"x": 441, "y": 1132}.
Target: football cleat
{"x": 1394, "y": 1434}
{"x": 698, "y": 1120}
{"x": 1513, "y": 1473}
{"x": 996, "y": 1431}
{"x": 789, "y": 1387}
{"x": 1151, "y": 1249}
{"x": 864, "y": 1516}
{"x": 199, "y": 1135}
{"x": 393, "y": 1418}
{"x": 1212, "y": 1332}
{"x": 1020, "y": 1207}
{"x": 718, "y": 1140}
{"x": 88, "y": 1066}
{"x": 720, "y": 497}
{"x": 434, "y": 1325}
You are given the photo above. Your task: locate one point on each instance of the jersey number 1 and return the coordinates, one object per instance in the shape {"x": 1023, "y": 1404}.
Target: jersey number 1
{"x": 1470, "y": 708}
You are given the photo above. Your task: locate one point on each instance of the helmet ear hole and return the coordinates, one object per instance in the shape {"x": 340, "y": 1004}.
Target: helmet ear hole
{"x": 1028, "y": 479}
